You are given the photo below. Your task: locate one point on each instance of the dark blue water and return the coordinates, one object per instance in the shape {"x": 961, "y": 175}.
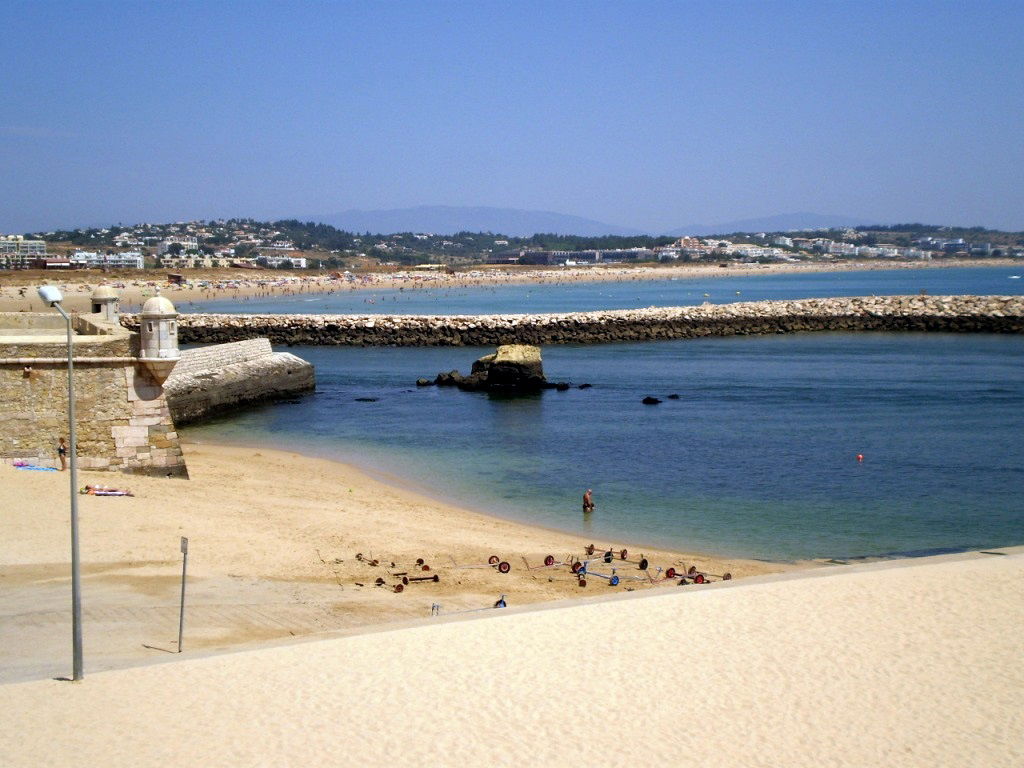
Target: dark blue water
{"x": 580, "y": 297}
{"x": 756, "y": 457}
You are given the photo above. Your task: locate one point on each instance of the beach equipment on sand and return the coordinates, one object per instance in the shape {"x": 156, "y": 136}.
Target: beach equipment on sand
{"x": 379, "y": 582}
{"x": 579, "y": 565}
{"x": 549, "y": 562}
{"x": 582, "y": 573}
{"x": 641, "y": 563}
{"x": 699, "y": 577}
{"x": 435, "y": 608}
{"x": 623, "y": 555}
{"x": 406, "y": 579}
{"x": 420, "y": 565}
{"x": 502, "y": 566}
{"x": 414, "y": 579}
{"x": 657, "y": 577}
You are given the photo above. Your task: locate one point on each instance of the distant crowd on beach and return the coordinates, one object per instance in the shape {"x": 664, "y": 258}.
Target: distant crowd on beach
{"x": 234, "y": 286}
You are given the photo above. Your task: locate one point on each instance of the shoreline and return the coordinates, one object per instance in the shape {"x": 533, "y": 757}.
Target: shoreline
{"x": 390, "y": 478}
{"x": 273, "y": 543}
{"x": 861, "y": 657}
{"x": 228, "y": 284}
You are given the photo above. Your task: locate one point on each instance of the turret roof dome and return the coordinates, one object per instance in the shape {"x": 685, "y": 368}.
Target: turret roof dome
{"x": 104, "y": 292}
{"x": 158, "y": 305}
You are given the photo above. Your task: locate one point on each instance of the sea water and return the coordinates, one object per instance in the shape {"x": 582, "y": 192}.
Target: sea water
{"x": 757, "y": 457}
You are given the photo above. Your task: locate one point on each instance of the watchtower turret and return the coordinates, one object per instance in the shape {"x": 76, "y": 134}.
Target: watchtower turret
{"x": 158, "y": 332}
{"x": 104, "y": 302}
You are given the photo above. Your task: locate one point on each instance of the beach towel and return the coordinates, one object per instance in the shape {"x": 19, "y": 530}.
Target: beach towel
{"x": 32, "y": 466}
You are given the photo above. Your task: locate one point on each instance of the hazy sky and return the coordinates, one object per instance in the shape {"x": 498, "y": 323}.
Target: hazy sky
{"x": 646, "y": 114}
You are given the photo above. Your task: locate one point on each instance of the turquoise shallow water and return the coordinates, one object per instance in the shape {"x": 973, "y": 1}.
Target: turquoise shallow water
{"x": 579, "y": 297}
{"x": 756, "y": 457}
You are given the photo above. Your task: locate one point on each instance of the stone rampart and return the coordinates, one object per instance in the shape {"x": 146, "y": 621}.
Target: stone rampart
{"x": 224, "y": 377}
{"x": 210, "y": 358}
{"x": 122, "y": 419}
{"x": 961, "y": 314}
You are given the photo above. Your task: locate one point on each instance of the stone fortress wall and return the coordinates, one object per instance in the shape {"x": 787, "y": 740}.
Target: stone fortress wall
{"x": 224, "y": 377}
{"x": 122, "y": 418}
{"x": 962, "y": 314}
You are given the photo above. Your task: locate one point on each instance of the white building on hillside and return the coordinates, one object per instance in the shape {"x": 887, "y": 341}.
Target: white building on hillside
{"x": 92, "y": 260}
{"x": 276, "y": 261}
{"x": 16, "y": 252}
{"x": 187, "y": 244}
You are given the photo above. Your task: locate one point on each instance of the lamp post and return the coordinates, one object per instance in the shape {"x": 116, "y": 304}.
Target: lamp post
{"x": 52, "y": 296}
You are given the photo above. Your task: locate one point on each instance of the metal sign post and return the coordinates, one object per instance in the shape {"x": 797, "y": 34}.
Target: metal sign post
{"x": 184, "y": 567}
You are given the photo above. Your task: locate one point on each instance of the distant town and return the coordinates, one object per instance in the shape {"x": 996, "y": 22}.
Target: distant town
{"x": 294, "y": 245}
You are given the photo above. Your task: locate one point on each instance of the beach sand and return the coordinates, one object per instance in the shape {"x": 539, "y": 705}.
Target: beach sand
{"x": 896, "y": 663}
{"x": 908, "y": 663}
{"x": 273, "y": 544}
{"x": 17, "y": 289}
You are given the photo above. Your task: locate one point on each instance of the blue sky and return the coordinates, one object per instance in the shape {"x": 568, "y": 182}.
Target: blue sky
{"x": 646, "y": 114}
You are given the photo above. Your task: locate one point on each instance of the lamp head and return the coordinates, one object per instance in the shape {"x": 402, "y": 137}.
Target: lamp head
{"x": 50, "y": 294}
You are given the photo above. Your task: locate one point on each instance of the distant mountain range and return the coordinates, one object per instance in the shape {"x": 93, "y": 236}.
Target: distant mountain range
{"x": 448, "y": 219}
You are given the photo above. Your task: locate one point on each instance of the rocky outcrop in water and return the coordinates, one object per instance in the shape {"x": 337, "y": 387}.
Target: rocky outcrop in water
{"x": 512, "y": 369}
{"x": 957, "y": 314}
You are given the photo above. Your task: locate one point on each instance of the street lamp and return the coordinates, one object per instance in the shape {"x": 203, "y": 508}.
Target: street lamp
{"x": 52, "y": 296}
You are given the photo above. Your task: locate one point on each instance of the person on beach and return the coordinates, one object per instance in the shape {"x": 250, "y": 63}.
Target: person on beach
{"x": 588, "y": 502}
{"x": 62, "y": 453}
{"x": 105, "y": 490}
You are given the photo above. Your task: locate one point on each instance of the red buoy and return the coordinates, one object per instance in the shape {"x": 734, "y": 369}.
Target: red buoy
{"x": 860, "y": 457}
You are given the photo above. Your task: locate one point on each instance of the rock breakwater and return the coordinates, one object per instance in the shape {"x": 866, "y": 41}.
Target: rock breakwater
{"x": 958, "y": 314}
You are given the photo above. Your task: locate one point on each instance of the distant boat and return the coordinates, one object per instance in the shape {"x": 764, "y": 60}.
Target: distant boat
{"x": 1015, "y": 277}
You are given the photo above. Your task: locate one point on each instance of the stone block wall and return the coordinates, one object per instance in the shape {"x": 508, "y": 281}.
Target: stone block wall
{"x": 122, "y": 421}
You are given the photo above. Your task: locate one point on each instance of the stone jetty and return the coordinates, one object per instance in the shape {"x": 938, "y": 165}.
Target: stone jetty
{"x": 959, "y": 314}
{"x": 212, "y": 380}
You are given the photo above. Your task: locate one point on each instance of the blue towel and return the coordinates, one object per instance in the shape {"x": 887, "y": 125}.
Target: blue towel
{"x": 40, "y": 469}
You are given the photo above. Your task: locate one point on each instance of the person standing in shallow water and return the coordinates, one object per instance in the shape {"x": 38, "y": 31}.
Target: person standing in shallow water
{"x": 588, "y": 502}
{"x": 62, "y": 453}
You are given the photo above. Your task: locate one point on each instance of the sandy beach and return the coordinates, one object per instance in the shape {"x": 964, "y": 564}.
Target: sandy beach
{"x": 17, "y": 289}
{"x": 293, "y": 657}
{"x": 908, "y": 663}
{"x": 273, "y": 544}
